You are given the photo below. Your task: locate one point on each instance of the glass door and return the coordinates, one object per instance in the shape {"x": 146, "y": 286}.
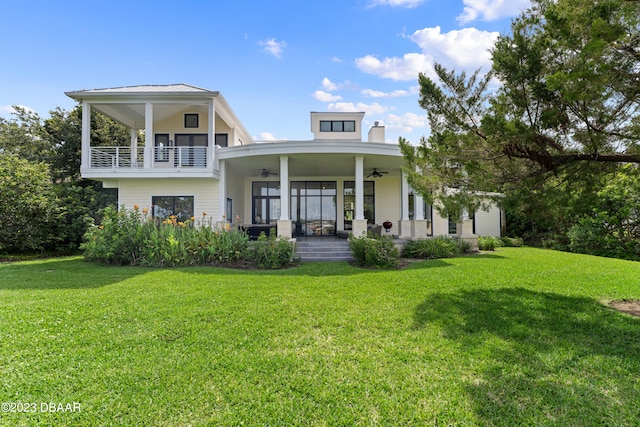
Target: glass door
{"x": 313, "y": 208}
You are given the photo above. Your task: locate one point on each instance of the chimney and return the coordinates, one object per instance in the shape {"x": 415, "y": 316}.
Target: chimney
{"x": 376, "y": 133}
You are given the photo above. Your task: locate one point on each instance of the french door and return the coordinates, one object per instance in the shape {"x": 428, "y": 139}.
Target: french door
{"x": 313, "y": 208}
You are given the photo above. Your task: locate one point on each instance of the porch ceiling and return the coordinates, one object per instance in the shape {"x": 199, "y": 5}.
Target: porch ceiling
{"x": 310, "y": 165}
{"x": 132, "y": 114}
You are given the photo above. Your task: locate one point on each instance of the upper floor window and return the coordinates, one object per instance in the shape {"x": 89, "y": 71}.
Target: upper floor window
{"x": 222, "y": 140}
{"x": 191, "y": 120}
{"x": 337, "y": 125}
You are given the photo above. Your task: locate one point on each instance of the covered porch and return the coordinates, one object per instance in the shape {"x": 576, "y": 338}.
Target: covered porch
{"x": 312, "y": 189}
{"x": 174, "y": 130}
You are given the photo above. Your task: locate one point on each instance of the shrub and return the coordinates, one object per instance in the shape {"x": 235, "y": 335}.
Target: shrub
{"x": 131, "y": 237}
{"x": 489, "y": 243}
{"x": 30, "y": 212}
{"x": 440, "y": 247}
{"x": 119, "y": 239}
{"x": 378, "y": 252}
{"x": 512, "y": 242}
{"x": 271, "y": 252}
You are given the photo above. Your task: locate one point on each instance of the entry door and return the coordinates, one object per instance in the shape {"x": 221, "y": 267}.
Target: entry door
{"x": 191, "y": 150}
{"x": 313, "y": 208}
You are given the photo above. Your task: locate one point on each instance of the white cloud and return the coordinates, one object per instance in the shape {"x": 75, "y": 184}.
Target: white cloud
{"x": 405, "y": 68}
{"x": 336, "y": 59}
{"x": 467, "y": 48}
{"x": 378, "y": 94}
{"x": 7, "y": 110}
{"x": 273, "y": 47}
{"x": 323, "y": 96}
{"x": 267, "y": 136}
{"x": 397, "y": 3}
{"x": 490, "y": 10}
{"x": 406, "y": 123}
{"x": 350, "y": 107}
{"x": 328, "y": 84}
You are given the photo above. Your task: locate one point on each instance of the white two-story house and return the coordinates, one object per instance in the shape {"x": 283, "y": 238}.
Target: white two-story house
{"x": 197, "y": 157}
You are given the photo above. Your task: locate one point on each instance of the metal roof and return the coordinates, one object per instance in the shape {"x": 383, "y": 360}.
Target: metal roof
{"x": 172, "y": 89}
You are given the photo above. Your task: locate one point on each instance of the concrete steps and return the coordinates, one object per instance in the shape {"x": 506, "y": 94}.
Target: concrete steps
{"x": 313, "y": 249}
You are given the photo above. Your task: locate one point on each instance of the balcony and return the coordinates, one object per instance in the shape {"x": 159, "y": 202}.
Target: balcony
{"x": 163, "y": 158}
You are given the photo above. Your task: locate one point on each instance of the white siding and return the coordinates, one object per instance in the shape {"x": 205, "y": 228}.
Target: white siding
{"x": 388, "y": 201}
{"x": 235, "y": 191}
{"x": 140, "y": 191}
{"x": 488, "y": 223}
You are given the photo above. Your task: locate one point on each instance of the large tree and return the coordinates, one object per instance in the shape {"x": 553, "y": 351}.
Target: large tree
{"x": 566, "y": 107}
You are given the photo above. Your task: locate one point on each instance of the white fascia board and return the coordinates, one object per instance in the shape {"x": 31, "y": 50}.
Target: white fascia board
{"x": 109, "y": 174}
{"x": 309, "y": 147}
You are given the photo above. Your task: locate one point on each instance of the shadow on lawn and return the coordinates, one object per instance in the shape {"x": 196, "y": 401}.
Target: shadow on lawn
{"x": 540, "y": 358}
{"x": 63, "y": 273}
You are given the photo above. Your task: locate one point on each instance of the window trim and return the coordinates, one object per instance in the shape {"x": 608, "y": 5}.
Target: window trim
{"x": 337, "y": 125}
{"x": 189, "y": 120}
{"x": 181, "y": 216}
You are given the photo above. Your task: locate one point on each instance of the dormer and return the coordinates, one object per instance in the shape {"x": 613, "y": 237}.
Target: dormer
{"x": 336, "y": 126}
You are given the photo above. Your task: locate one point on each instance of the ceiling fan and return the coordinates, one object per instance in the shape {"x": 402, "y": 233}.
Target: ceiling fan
{"x": 376, "y": 173}
{"x": 266, "y": 174}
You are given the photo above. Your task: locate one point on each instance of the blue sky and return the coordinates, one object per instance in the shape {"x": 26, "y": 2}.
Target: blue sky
{"x": 274, "y": 61}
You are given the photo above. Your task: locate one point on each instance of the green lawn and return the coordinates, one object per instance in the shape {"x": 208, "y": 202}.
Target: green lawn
{"x": 516, "y": 337}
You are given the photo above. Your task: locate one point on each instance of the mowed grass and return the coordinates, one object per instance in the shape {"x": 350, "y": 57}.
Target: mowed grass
{"x": 517, "y": 337}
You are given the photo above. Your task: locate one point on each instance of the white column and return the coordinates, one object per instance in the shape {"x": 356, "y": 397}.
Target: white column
{"x": 86, "y": 136}
{"x": 222, "y": 191}
{"x": 284, "y": 223}
{"x": 359, "y": 188}
{"x": 212, "y": 134}
{"x": 405, "y": 197}
{"x": 149, "y": 141}
{"x": 359, "y": 223}
{"x": 134, "y": 148}
{"x": 418, "y": 206}
{"x": 406, "y": 227}
{"x": 284, "y": 188}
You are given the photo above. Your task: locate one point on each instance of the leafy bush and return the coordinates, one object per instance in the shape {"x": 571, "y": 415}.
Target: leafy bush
{"x": 119, "y": 239}
{"x": 489, "y": 243}
{"x": 378, "y": 252}
{"x": 131, "y": 237}
{"x": 512, "y": 242}
{"x": 29, "y": 209}
{"x": 271, "y": 252}
{"x": 440, "y": 247}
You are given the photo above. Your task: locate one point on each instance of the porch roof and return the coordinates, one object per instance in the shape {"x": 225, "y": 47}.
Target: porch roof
{"x": 313, "y": 158}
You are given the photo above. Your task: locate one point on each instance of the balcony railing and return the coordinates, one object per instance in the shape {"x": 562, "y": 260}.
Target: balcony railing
{"x": 163, "y": 157}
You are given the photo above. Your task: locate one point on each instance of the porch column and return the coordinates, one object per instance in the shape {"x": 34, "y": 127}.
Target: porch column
{"x": 134, "y": 148}
{"x": 465, "y": 231}
{"x": 211, "y": 143}
{"x": 405, "y": 223}
{"x": 149, "y": 141}
{"x": 359, "y": 224}
{"x": 420, "y": 226}
{"x": 86, "y": 136}
{"x": 222, "y": 192}
{"x": 284, "y": 223}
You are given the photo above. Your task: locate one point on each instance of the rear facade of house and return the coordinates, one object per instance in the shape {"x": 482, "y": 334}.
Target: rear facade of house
{"x": 197, "y": 158}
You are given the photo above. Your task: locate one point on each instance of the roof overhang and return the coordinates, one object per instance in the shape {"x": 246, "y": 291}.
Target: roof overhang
{"x": 313, "y": 158}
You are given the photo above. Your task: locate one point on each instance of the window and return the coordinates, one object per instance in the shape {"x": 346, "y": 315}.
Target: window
{"x": 229, "y": 209}
{"x": 337, "y": 126}
{"x": 165, "y": 206}
{"x": 266, "y": 202}
{"x": 222, "y": 140}
{"x": 350, "y": 202}
{"x": 191, "y": 120}
{"x": 162, "y": 150}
